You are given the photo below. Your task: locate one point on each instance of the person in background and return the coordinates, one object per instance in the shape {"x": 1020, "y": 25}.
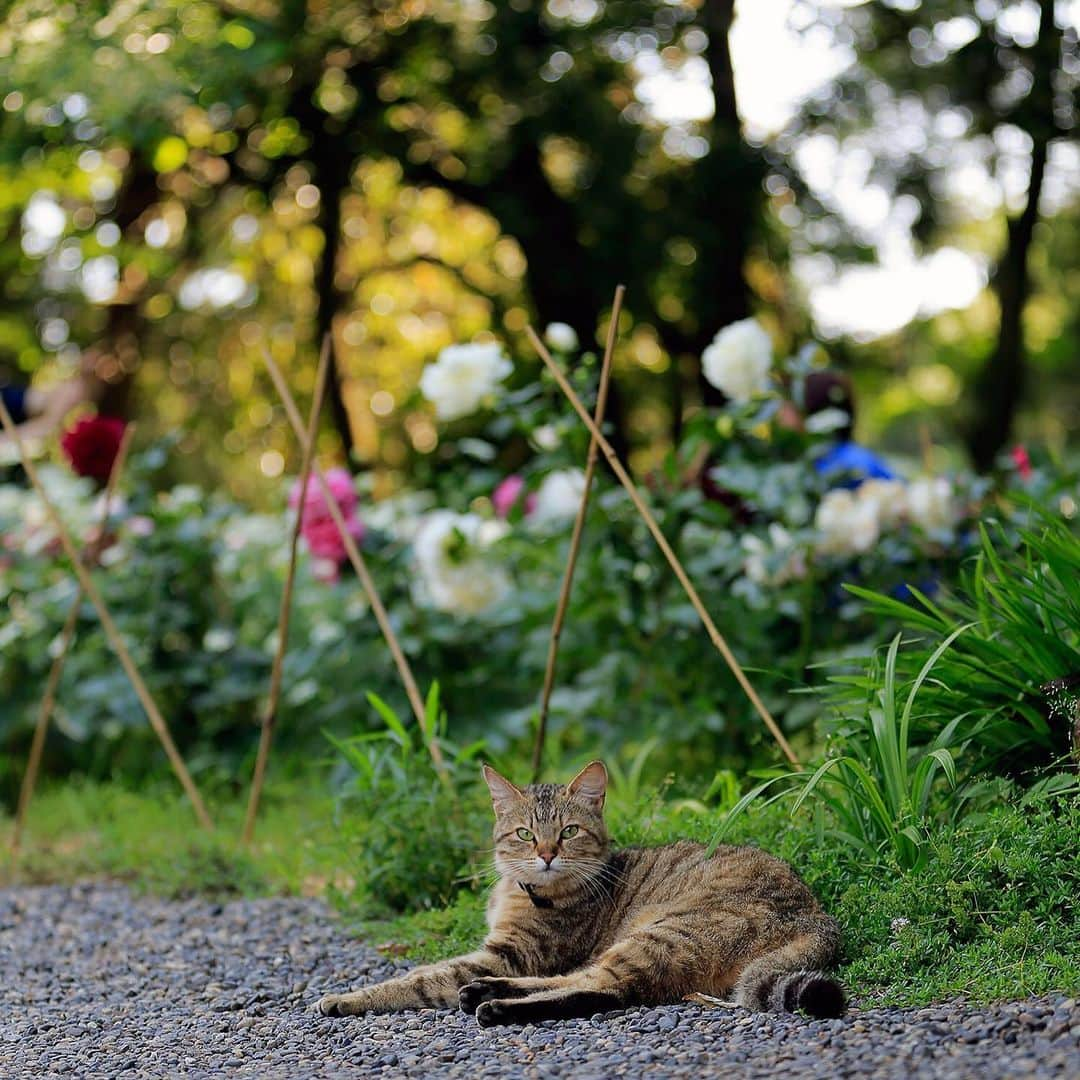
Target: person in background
{"x": 39, "y": 413}
{"x": 828, "y": 398}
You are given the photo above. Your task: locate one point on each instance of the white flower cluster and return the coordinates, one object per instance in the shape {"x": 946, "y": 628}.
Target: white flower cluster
{"x": 558, "y": 498}
{"x": 457, "y": 572}
{"x": 775, "y": 562}
{"x": 25, "y": 524}
{"x": 851, "y": 522}
{"x": 561, "y": 337}
{"x": 463, "y": 378}
{"x": 739, "y": 360}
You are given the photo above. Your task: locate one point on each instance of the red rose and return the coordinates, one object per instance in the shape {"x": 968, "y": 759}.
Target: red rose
{"x": 92, "y": 445}
{"x": 1022, "y": 461}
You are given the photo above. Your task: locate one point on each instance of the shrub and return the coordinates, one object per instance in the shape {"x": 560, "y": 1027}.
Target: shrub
{"x": 874, "y": 786}
{"x": 1021, "y": 600}
{"x": 409, "y": 835}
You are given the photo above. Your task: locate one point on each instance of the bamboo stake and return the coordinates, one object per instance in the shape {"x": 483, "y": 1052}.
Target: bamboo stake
{"x": 67, "y": 635}
{"x": 157, "y": 721}
{"x": 362, "y": 572}
{"x": 673, "y": 560}
{"x": 575, "y": 537}
{"x": 269, "y": 720}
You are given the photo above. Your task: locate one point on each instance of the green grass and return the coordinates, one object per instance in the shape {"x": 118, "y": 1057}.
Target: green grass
{"x": 151, "y": 839}
{"x": 990, "y": 915}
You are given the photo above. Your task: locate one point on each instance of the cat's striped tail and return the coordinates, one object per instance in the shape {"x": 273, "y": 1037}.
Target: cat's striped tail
{"x": 787, "y": 979}
{"x": 812, "y": 992}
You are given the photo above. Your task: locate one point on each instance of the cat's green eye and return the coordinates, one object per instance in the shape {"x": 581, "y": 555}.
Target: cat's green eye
{"x": 524, "y": 834}
{"x": 569, "y": 831}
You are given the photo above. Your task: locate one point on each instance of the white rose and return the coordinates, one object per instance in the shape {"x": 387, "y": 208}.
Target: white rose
{"x": 760, "y": 564}
{"x": 847, "y": 525}
{"x": 739, "y": 360}
{"x": 218, "y": 639}
{"x": 118, "y": 506}
{"x": 931, "y": 504}
{"x": 561, "y": 336}
{"x": 113, "y": 554}
{"x": 558, "y": 497}
{"x": 400, "y": 516}
{"x": 140, "y": 525}
{"x": 462, "y": 377}
{"x": 11, "y": 501}
{"x": 456, "y": 571}
{"x": 827, "y": 420}
{"x": 890, "y": 499}
{"x": 547, "y": 437}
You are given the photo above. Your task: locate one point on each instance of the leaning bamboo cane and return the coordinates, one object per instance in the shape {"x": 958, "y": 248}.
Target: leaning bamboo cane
{"x": 575, "y": 537}
{"x": 673, "y": 560}
{"x": 157, "y": 721}
{"x": 67, "y": 635}
{"x": 362, "y": 572}
{"x": 269, "y": 720}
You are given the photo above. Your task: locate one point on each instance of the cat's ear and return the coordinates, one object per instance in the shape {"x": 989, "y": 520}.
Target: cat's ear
{"x": 590, "y": 784}
{"x": 503, "y": 793}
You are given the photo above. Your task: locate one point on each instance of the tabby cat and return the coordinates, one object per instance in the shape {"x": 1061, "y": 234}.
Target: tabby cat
{"x": 578, "y": 928}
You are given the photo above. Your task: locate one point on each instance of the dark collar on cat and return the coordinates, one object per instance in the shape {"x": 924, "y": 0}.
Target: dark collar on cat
{"x": 538, "y": 901}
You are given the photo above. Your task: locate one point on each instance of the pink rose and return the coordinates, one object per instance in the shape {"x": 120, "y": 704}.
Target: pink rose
{"x": 505, "y": 497}
{"x": 316, "y": 524}
{"x": 341, "y": 487}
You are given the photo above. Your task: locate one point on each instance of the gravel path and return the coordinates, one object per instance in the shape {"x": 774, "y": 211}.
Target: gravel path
{"x": 98, "y": 983}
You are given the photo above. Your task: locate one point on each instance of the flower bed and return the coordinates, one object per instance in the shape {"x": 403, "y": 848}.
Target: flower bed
{"x": 469, "y": 565}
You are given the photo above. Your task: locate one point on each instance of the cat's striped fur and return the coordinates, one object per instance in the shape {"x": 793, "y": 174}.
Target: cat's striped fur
{"x": 577, "y": 928}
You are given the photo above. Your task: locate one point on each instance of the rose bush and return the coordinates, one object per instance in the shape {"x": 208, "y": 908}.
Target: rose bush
{"x": 469, "y": 566}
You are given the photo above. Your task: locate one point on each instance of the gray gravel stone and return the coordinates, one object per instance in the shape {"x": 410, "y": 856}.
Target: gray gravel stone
{"x": 99, "y": 983}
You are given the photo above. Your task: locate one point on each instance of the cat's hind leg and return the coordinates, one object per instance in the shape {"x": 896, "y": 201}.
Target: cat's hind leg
{"x": 791, "y": 977}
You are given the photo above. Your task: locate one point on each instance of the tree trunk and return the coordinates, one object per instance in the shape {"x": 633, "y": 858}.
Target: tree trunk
{"x": 725, "y": 203}
{"x": 332, "y": 173}
{"x": 121, "y": 340}
{"x": 1000, "y": 386}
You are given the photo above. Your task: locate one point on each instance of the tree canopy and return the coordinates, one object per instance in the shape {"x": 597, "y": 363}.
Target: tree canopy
{"x": 183, "y": 180}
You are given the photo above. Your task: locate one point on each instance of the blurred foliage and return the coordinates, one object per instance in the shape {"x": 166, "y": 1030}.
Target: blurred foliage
{"x": 182, "y": 181}
{"x": 951, "y": 126}
{"x": 194, "y": 581}
{"x": 210, "y": 177}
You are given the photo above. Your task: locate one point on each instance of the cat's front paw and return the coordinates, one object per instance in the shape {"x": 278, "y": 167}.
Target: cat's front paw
{"x": 340, "y": 1005}
{"x": 480, "y": 990}
{"x": 493, "y": 1013}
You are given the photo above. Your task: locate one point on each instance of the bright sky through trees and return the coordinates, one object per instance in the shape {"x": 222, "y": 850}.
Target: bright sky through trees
{"x": 776, "y": 66}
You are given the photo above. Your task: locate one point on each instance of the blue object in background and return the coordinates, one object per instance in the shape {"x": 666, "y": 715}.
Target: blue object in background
{"x": 855, "y": 461}
{"x": 15, "y": 402}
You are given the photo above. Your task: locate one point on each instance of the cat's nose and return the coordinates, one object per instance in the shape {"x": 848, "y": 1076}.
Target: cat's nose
{"x": 547, "y": 856}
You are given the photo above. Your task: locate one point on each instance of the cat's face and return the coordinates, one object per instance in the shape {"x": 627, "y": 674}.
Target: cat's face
{"x": 550, "y": 834}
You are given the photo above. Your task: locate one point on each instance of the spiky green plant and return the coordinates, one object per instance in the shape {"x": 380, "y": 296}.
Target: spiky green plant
{"x": 874, "y": 794}
{"x": 1022, "y": 601}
